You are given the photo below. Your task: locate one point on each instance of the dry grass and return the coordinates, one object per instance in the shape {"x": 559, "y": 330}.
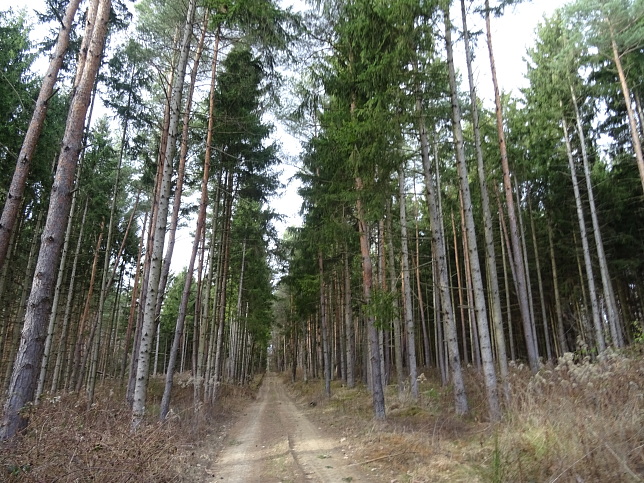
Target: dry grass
{"x": 578, "y": 421}
{"x": 65, "y": 441}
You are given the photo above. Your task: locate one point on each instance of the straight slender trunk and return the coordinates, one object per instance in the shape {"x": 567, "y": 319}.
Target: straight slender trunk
{"x": 561, "y": 335}
{"x": 54, "y": 305}
{"x": 25, "y": 373}
{"x": 489, "y": 370}
{"x": 152, "y": 296}
{"x": 459, "y": 291}
{"x": 80, "y": 354}
{"x": 377, "y": 393}
{"x": 62, "y": 342}
{"x": 590, "y": 278}
{"x": 419, "y": 294}
{"x": 201, "y": 219}
{"x": 135, "y": 291}
{"x": 506, "y": 283}
{"x": 442, "y": 275}
{"x": 324, "y": 327}
{"x": 393, "y": 289}
{"x": 542, "y": 301}
{"x": 406, "y": 287}
{"x": 614, "y": 320}
{"x": 514, "y": 249}
{"x": 348, "y": 320}
{"x": 490, "y": 250}
{"x": 224, "y": 267}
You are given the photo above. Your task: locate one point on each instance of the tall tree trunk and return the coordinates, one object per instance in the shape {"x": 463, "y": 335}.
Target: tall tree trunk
{"x": 489, "y": 370}
{"x": 62, "y": 342}
{"x": 590, "y": 278}
{"x": 348, "y": 320}
{"x": 406, "y": 287}
{"x": 324, "y": 327}
{"x": 80, "y": 354}
{"x": 377, "y": 392}
{"x": 561, "y": 335}
{"x": 637, "y": 144}
{"x": 514, "y": 250}
{"x": 23, "y": 165}
{"x": 490, "y": 250}
{"x": 148, "y": 323}
{"x": 542, "y": 301}
{"x": 54, "y": 305}
{"x": 459, "y": 292}
{"x": 441, "y": 271}
{"x": 222, "y": 284}
{"x": 201, "y": 218}
{"x": 25, "y": 373}
{"x": 14, "y": 337}
{"x": 135, "y": 291}
{"x": 614, "y": 320}
{"x": 393, "y": 289}
{"x": 419, "y": 293}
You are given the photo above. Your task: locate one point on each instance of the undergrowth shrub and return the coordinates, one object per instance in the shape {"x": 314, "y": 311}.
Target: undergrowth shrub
{"x": 580, "y": 420}
{"x": 66, "y": 441}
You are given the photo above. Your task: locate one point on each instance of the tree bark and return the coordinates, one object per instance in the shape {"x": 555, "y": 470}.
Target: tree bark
{"x": 614, "y": 319}
{"x": 590, "y": 278}
{"x": 377, "y": 393}
{"x": 489, "y": 370}
{"x": 441, "y": 271}
{"x": 19, "y": 180}
{"x": 25, "y": 373}
{"x": 637, "y": 145}
{"x": 514, "y": 250}
{"x": 561, "y": 335}
{"x": 148, "y": 323}
{"x": 348, "y": 320}
{"x": 406, "y": 287}
{"x": 324, "y": 327}
{"x": 490, "y": 250}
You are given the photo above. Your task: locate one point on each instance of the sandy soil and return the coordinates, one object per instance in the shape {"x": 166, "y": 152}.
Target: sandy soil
{"x": 275, "y": 442}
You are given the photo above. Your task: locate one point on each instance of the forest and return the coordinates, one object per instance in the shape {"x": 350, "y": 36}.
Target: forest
{"x": 442, "y": 236}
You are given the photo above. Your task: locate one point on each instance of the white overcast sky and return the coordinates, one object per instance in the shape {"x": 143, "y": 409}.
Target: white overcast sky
{"x": 512, "y": 35}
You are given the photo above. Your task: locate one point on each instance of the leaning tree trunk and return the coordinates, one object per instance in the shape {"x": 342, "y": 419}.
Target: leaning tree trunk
{"x": 632, "y": 124}
{"x": 480, "y": 309}
{"x": 148, "y": 322}
{"x": 25, "y": 372}
{"x": 515, "y": 249}
{"x": 19, "y": 180}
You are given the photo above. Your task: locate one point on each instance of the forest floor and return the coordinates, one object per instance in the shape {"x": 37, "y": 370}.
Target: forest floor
{"x": 579, "y": 420}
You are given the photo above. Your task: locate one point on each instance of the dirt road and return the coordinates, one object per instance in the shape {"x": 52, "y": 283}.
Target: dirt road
{"x": 276, "y": 442}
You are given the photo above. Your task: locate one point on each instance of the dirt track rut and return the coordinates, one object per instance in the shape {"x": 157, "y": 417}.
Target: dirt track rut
{"x": 276, "y": 442}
